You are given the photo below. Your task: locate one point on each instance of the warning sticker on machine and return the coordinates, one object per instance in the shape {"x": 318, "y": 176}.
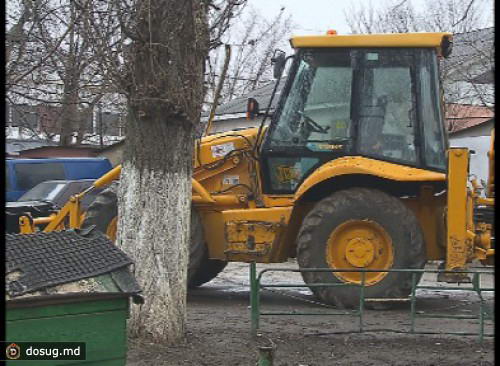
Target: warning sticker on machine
{"x": 222, "y": 150}
{"x": 231, "y": 179}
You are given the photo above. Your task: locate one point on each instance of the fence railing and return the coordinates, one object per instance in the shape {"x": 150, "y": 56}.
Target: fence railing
{"x": 475, "y": 286}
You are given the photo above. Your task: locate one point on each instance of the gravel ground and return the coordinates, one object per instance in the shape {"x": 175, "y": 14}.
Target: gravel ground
{"x": 219, "y": 328}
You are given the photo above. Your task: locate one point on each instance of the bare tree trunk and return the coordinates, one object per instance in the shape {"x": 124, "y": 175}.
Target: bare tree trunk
{"x": 69, "y": 114}
{"x": 165, "y": 95}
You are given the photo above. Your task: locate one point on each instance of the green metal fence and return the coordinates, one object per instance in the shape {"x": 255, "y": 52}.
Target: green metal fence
{"x": 256, "y": 285}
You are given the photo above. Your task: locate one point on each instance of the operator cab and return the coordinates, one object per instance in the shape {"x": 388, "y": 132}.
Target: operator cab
{"x": 345, "y": 97}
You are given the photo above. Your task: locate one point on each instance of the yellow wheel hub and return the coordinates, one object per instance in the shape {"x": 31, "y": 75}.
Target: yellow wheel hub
{"x": 360, "y": 252}
{"x": 360, "y": 244}
{"x": 111, "y": 229}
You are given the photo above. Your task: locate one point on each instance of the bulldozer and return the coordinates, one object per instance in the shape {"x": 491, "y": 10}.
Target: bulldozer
{"x": 352, "y": 171}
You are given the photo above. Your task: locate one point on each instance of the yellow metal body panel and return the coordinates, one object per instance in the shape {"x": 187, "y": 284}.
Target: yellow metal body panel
{"x": 205, "y": 197}
{"x": 213, "y": 147}
{"x": 430, "y": 40}
{"x": 237, "y": 225}
{"x": 459, "y": 240}
{"x": 277, "y": 201}
{"x": 253, "y": 234}
{"x": 26, "y": 225}
{"x": 362, "y": 165}
{"x": 213, "y": 229}
{"x": 430, "y": 212}
{"x": 223, "y": 165}
{"x": 217, "y": 167}
{"x": 227, "y": 200}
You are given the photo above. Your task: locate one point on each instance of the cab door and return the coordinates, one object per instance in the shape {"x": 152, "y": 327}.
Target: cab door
{"x": 313, "y": 121}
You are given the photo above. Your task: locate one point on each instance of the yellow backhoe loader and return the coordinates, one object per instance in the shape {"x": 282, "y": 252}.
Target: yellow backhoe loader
{"x": 352, "y": 172}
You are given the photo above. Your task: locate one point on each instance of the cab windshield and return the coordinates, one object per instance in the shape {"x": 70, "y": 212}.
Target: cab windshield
{"x": 372, "y": 102}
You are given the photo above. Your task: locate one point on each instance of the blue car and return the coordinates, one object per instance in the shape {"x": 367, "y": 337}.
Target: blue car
{"x": 24, "y": 174}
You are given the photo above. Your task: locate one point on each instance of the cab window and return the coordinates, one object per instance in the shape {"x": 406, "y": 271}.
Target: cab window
{"x": 318, "y": 106}
{"x": 387, "y": 106}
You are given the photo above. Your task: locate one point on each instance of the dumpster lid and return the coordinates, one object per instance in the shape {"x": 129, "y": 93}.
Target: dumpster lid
{"x": 40, "y": 260}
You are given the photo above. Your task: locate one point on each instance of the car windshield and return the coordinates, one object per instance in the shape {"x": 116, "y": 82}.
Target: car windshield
{"x": 46, "y": 191}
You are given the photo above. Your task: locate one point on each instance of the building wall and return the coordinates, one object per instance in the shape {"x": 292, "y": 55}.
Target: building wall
{"x": 114, "y": 154}
{"x": 483, "y": 129}
{"x": 479, "y": 160}
{"x": 477, "y": 139}
{"x": 47, "y": 119}
{"x": 14, "y": 146}
{"x": 57, "y": 152}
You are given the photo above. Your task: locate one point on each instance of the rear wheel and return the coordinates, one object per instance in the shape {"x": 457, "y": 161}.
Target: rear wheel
{"x": 103, "y": 214}
{"x": 360, "y": 228}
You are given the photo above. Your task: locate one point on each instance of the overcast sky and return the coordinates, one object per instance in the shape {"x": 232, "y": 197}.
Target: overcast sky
{"x": 317, "y": 16}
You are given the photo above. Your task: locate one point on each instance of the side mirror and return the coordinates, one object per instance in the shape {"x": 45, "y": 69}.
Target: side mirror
{"x": 278, "y": 62}
{"x": 252, "y": 108}
{"x": 446, "y": 46}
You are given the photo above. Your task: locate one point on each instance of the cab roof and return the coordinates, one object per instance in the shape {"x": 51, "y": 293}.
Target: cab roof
{"x": 410, "y": 40}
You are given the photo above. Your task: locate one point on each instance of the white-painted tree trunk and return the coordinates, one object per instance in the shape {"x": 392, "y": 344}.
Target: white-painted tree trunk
{"x": 165, "y": 93}
{"x": 154, "y": 216}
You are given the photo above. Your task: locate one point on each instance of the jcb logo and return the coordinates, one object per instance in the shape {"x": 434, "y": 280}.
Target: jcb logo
{"x": 13, "y": 352}
{"x": 286, "y": 174}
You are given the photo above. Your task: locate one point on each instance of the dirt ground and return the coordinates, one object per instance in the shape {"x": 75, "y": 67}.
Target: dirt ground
{"x": 219, "y": 328}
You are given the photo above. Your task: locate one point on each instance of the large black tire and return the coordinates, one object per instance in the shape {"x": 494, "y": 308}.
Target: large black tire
{"x": 201, "y": 269}
{"x": 103, "y": 211}
{"x": 361, "y": 205}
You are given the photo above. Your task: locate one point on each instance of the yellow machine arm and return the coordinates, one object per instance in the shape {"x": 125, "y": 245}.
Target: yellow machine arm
{"x": 72, "y": 209}
{"x": 467, "y": 239}
{"x": 107, "y": 178}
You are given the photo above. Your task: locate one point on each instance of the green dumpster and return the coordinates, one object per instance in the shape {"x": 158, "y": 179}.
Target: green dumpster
{"x": 78, "y": 295}
{"x": 98, "y": 320}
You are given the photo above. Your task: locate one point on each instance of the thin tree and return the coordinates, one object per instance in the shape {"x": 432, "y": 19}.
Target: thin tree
{"x": 254, "y": 39}
{"x": 401, "y": 16}
{"x": 51, "y": 67}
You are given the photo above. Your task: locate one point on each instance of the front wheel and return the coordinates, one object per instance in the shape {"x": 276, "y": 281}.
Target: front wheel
{"x": 360, "y": 228}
